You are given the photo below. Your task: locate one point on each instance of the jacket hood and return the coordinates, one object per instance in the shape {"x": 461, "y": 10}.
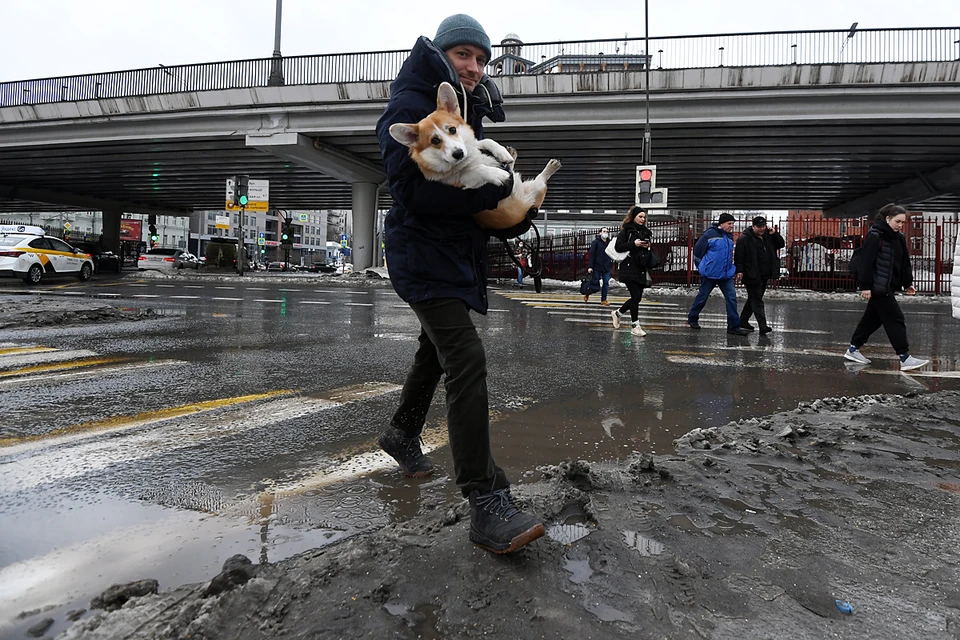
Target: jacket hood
{"x": 427, "y": 67}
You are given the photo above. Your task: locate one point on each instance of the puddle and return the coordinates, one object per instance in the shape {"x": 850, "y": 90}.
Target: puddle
{"x": 644, "y": 545}
{"x": 724, "y": 525}
{"x": 607, "y": 613}
{"x": 580, "y": 570}
{"x": 567, "y": 533}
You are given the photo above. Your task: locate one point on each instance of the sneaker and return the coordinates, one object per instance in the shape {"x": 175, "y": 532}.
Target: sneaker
{"x": 637, "y": 331}
{"x": 856, "y": 356}
{"x": 694, "y": 325}
{"x": 497, "y": 525}
{"x": 738, "y": 331}
{"x": 616, "y": 319}
{"x": 747, "y": 327}
{"x": 605, "y": 303}
{"x": 765, "y": 330}
{"x": 406, "y": 451}
{"x": 912, "y": 363}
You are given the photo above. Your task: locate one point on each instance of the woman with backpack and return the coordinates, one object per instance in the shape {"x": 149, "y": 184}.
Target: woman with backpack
{"x": 634, "y": 239}
{"x": 883, "y": 269}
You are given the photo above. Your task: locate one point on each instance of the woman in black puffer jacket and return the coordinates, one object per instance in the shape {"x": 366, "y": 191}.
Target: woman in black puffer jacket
{"x": 636, "y": 238}
{"x": 884, "y": 270}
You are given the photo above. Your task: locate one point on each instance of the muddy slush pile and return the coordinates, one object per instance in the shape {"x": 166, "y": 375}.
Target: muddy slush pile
{"x": 19, "y": 312}
{"x": 837, "y": 519}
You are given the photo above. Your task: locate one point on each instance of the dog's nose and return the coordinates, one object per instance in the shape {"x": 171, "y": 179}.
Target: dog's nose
{"x": 458, "y": 154}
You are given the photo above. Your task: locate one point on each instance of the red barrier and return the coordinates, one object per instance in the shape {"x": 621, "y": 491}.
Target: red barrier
{"x": 817, "y": 253}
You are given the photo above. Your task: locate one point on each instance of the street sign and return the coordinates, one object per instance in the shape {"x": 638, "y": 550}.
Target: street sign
{"x": 261, "y": 241}
{"x": 304, "y": 217}
{"x": 261, "y": 235}
{"x": 258, "y": 193}
{"x": 223, "y": 222}
{"x": 66, "y": 225}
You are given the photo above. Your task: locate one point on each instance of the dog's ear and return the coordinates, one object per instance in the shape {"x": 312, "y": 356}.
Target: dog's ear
{"x": 447, "y": 99}
{"x": 405, "y": 134}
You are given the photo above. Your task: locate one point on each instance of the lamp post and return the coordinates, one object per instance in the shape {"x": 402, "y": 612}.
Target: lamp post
{"x": 276, "y": 64}
{"x": 647, "y": 136}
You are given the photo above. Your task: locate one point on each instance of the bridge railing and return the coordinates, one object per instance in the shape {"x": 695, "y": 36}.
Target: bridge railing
{"x": 936, "y": 44}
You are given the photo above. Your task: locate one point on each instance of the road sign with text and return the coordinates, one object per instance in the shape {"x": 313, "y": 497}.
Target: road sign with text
{"x": 258, "y": 192}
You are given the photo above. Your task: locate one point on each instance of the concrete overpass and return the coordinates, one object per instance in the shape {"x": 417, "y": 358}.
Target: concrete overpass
{"x": 840, "y": 136}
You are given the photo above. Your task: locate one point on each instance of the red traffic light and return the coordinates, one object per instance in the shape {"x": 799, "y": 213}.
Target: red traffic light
{"x": 646, "y": 174}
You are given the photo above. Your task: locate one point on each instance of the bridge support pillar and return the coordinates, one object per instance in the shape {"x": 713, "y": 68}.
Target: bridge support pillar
{"x": 110, "y": 233}
{"x": 364, "y": 220}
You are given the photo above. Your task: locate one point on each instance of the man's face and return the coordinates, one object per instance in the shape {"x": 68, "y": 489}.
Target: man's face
{"x": 760, "y": 229}
{"x": 469, "y": 61}
{"x": 727, "y": 226}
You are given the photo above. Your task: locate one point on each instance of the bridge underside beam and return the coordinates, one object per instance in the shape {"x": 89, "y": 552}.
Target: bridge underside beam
{"x": 304, "y": 151}
{"x": 923, "y": 187}
{"x": 80, "y": 201}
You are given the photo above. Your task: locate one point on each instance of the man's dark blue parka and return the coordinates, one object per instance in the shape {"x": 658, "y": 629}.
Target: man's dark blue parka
{"x": 433, "y": 246}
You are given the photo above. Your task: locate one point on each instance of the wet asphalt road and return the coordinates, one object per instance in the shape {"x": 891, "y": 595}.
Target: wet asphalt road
{"x": 243, "y": 418}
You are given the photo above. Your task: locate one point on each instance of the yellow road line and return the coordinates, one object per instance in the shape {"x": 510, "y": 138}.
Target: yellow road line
{"x": 24, "y": 350}
{"x": 58, "y": 366}
{"x": 117, "y": 423}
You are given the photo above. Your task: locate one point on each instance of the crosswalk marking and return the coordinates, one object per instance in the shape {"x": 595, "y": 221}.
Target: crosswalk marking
{"x": 86, "y": 369}
{"x": 14, "y": 359}
{"x": 19, "y": 444}
{"x": 53, "y": 457}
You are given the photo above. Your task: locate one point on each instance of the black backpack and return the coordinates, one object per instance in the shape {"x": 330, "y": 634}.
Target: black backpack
{"x": 855, "y": 259}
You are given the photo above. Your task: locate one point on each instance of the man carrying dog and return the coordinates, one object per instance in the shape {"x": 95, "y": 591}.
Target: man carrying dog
{"x": 756, "y": 259}
{"x": 438, "y": 265}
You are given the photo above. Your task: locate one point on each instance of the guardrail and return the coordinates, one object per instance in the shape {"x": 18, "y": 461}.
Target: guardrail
{"x": 935, "y": 44}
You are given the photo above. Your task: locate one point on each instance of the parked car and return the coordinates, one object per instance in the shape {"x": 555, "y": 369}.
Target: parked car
{"x": 322, "y": 267}
{"x": 104, "y": 260}
{"x": 279, "y": 266}
{"x": 167, "y": 259}
{"x": 34, "y": 256}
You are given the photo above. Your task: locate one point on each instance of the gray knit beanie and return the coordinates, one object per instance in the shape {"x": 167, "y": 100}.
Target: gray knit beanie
{"x": 461, "y": 29}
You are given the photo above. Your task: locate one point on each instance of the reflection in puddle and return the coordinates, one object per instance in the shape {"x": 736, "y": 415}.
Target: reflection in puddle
{"x": 608, "y": 613}
{"x": 579, "y": 568}
{"x": 567, "y": 533}
{"x": 644, "y": 545}
{"x": 723, "y": 525}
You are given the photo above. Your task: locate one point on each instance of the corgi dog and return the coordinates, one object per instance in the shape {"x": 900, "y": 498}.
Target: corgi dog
{"x": 444, "y": 147}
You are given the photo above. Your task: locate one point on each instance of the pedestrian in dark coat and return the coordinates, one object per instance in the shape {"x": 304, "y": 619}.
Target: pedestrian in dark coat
{"x": 438, "y": 265}
{"x": 599, "y": 263}
{"x": 884, "y": 269}
{"x": 635, "y": 238}
{"x": 756, "y": 259}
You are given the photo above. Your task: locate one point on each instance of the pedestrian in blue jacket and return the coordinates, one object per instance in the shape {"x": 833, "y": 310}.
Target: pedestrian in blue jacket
{"x": 438, "y": 265}
{"x": 713, "y": 254}
{"x": 599, "y": 264}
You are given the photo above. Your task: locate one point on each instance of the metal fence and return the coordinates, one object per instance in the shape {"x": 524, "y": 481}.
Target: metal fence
{"x": 816, "y": 257}
{"x": 936, "y": 44}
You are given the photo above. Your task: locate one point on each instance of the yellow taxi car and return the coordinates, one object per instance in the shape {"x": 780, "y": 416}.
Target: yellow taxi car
{"x": 25, "y": 252}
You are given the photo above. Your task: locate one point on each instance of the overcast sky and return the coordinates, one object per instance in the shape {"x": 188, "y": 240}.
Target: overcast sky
{"x": 43, "y": 38}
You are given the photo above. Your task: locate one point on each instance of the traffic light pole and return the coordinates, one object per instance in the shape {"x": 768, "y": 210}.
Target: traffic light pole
{"x": 647, "y": 137}
{"x": 241, "y": 252}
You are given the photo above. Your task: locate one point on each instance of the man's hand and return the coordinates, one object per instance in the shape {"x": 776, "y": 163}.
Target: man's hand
{"x": 866, "y": 294}
{"x": 911, "y": 291}
{"x": 738, "y": 278}
{"x": 507, "y": 187}
{"x": 589, "y": 270}
{"x": 638, "y": 242}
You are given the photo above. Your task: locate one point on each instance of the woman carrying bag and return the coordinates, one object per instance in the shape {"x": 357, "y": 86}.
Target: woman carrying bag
{"x": 635, "y": 240}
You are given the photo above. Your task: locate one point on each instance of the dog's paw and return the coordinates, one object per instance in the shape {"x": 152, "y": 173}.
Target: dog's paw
{"x": 553, "y": 165}
{"x": 494, "y": 175}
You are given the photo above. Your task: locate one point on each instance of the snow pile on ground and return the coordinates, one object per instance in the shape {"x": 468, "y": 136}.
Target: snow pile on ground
{"x": 836, "y": 519}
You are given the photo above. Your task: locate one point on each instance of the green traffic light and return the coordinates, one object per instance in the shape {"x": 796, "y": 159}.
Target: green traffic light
{"x": 243, "y": 200}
